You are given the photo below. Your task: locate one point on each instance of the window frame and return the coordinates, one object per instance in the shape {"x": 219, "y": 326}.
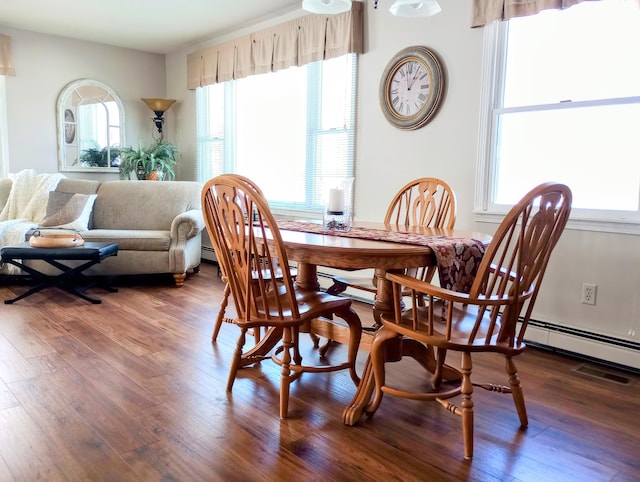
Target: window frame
{"x": 310, "y": 209}
{"x": 492, "y": 85}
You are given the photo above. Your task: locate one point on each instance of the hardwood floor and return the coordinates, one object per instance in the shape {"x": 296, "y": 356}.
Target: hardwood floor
{"x": 133, "y": 390}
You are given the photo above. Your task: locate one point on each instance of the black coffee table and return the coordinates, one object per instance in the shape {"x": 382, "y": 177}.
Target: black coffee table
{"x": 70, "y": 279}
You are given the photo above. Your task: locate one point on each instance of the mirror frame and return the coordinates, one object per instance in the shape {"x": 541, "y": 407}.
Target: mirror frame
{"x": 67, "y": 132}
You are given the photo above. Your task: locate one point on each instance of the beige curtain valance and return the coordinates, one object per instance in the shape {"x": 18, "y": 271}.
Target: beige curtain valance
{"x": 6, "y": 60}
{"x": 487, "y": 11}
{"x": 296, "y": 42}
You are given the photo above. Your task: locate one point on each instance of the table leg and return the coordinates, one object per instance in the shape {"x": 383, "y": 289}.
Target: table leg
{"x": 70, "y": 275}
{"x": 81, "y": 281}
{"x": 61, "y": 281}
{"x": 361, "y": 399}
{"x": 384, "y": 294}
{"x": 30, "y": 291}
{"x": 307, "y": 277}
{"x": 44, "y": 281}
{"x": 384, "y": 303}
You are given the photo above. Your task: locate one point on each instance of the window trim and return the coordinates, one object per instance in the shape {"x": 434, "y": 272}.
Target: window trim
{"x": 492, "y": 85}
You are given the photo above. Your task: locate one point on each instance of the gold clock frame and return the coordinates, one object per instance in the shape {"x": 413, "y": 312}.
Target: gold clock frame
{"x": 433, "y": 66}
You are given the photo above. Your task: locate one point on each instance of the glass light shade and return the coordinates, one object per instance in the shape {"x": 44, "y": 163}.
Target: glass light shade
{"x": 158, "y": 105}
{"x": 415, "y": 8}
{"x": 326, "y": 6}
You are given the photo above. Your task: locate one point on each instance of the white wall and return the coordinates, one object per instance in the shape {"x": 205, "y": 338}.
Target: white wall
{"x": 44, "y": 65}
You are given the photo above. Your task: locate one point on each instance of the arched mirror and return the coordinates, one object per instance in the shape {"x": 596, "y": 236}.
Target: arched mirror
{"x": 90, "y": 127}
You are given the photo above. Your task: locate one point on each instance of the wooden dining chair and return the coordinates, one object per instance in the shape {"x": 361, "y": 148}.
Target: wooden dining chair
{"x": 426, "y": 201}
{"x": 492, "y": 317}
{"x": 222, "y": 317}
{"x": 252, "y": 255}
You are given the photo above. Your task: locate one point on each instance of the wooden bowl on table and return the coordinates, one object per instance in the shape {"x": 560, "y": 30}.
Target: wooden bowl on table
{"x": 40, "y": 239}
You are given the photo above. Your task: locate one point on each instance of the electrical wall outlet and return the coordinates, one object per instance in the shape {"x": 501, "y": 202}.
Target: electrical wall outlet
{"x": 589, "y": 293}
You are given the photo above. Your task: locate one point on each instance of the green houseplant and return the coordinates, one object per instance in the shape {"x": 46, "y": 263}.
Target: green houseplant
{"x": 156, "y": 162}
{"x": 96, "y": 157}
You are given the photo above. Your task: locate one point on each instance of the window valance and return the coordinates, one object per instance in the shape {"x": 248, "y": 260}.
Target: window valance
{"x": 6, "y": 60}
{"x": 297, "y": 42}
{"x": 486, "y": 11}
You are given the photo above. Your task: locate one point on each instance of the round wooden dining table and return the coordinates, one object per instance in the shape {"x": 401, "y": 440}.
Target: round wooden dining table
{"x": 310, "y": 250}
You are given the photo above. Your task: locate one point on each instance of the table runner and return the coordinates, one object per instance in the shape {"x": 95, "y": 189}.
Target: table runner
{"x": 457, "y": 258}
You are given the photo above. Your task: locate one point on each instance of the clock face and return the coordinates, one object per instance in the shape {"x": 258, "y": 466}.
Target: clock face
{"x": 411, "y": 88}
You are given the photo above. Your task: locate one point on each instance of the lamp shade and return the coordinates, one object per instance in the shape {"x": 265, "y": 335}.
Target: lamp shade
{"x": 415, "y": 8}
{"x": 158, "y": 105}
{"x": 326, "y": 6}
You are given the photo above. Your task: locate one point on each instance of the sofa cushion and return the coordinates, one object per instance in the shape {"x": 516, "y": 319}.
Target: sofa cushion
{"x": 68, "y": 211}
{"x": 80, "y": 186}
{"x": 143, "y": 204}
{"x": 131, "y": 239}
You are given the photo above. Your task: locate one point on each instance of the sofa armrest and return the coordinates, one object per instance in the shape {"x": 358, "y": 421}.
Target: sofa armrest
{"x": 187, "y": 224}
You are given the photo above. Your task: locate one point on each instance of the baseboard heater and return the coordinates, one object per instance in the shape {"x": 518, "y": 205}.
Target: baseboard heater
{"x": 585, "y": 334}
{"x": 629, "y": 348}
{"x": 208, "y": 253}
{"x": 593, "y": 347}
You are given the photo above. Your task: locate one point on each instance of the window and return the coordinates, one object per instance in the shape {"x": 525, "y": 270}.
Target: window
{"x": 285, "y": 130}
{"x": 562, "y": 102}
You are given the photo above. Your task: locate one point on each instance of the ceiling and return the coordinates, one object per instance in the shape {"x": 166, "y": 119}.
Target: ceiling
{"x": 159, "y": 26}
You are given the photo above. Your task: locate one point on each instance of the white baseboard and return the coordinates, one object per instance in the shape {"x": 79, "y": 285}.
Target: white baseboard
{"x": 591, "y": 345}
{"x": 606, "y": 349}
{"x": 208, "y": 253}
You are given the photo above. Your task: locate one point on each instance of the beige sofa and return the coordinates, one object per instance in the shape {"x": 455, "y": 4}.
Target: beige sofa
{"x": 157, "y": 225}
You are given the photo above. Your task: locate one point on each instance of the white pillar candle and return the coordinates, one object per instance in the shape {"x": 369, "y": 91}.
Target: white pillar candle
{"x": 336, "y": 200}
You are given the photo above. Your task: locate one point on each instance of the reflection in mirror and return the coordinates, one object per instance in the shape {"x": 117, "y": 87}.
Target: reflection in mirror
{"x": 90, "y": 127}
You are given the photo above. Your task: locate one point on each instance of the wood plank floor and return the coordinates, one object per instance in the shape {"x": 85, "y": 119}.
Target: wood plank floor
{"x": 134, "y": 390}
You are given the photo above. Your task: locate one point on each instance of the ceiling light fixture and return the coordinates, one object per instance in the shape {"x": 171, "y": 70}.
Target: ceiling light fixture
{"x": 413, "y": 8}
{"x": 326, "y": 6}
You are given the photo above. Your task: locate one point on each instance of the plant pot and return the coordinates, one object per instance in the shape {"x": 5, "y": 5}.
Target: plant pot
{"x": 157, "y": 175}
{"x": 140, "y": 172}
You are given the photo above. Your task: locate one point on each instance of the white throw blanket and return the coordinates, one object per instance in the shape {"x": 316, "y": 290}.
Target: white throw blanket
{"x": 25, "y": 207}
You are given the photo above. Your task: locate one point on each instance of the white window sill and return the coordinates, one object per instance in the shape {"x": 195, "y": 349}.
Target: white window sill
{"x": 575, "y": 222}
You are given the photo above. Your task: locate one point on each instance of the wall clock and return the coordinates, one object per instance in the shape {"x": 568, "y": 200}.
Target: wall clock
{"x": 411, "y": 88}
